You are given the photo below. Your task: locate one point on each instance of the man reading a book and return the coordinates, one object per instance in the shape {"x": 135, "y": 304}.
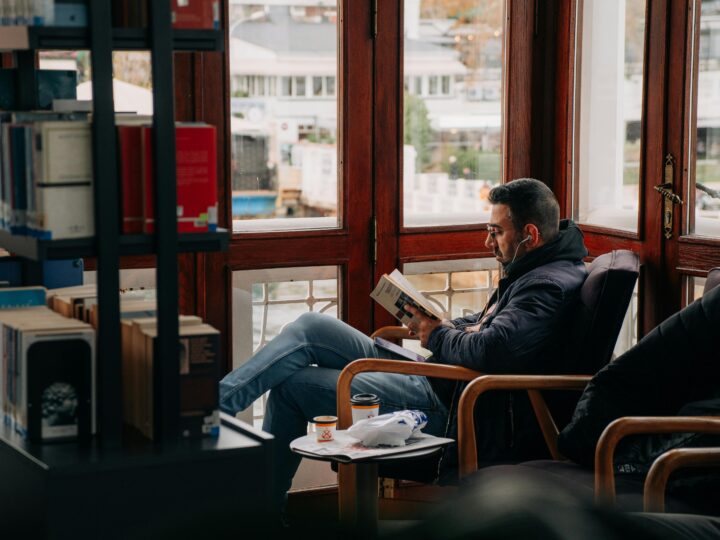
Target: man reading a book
{"x": 518, "y": 331}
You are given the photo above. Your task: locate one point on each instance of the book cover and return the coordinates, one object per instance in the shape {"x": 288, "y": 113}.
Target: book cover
{"x": 196, "y": 178}
{"x": 131, "y": 184}
{"x": 54, "y": 142}
{"x": 196, "y": 14}
{"x": 393, "y": 292}
{"x": 22, "y": 297}
{"x": 60, "y": 396}
{"x": 21, "y": 329}
{"x": 198, "y": 358}
{"x": 64, "y": 211}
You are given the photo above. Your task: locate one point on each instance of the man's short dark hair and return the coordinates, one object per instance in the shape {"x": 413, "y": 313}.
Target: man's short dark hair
{"x": 530, "y": 201}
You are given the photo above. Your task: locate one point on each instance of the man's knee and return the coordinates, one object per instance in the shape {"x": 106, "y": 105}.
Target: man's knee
{"x": 306, "y": 387}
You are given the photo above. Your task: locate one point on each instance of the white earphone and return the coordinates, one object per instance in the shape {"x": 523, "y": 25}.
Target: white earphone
{"x": 526, "y": 239}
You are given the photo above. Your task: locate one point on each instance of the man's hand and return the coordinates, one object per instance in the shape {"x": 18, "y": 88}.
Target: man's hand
{"x": 421, "y": 325}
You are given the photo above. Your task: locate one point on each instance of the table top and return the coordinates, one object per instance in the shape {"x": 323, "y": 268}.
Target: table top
{"x": 343, "y": 442}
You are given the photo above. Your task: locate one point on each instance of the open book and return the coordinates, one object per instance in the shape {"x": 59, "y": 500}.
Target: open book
{"x": 394, "y": 291}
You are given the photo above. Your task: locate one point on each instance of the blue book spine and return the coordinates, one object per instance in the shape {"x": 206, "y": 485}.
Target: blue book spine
{"x": 17, "y": 298}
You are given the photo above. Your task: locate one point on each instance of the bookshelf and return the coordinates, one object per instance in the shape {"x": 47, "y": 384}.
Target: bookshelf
{"x": 116, "y": 484}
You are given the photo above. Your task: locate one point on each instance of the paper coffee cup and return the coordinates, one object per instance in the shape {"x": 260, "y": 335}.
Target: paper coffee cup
{"x": 364, "y": 406}
{"x": 325, "y": 428}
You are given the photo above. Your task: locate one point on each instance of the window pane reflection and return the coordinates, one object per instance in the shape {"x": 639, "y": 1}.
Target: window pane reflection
{"x": 283, "y": 70}
{"x": 452, "y": 129}
{"x": 707, "y": 146}
{"x": 608, "y": 109}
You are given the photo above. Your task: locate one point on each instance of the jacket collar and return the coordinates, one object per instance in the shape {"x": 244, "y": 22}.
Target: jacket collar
{"x": 568, "y": 245}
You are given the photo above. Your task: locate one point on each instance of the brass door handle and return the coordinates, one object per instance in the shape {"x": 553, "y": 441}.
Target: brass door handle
{"x": 669, "y": 197}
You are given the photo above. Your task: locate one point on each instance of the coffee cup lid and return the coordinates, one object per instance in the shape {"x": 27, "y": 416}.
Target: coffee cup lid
{"x": 364, "y": 399}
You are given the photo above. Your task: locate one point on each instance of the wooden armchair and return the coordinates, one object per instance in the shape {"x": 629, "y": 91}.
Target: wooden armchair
{"x": 604, "y": 298}
{"x": 653, "y": 490}
{"x": 604, "y": 481}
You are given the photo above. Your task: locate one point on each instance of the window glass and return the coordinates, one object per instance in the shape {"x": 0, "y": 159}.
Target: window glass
{"x": 265, "y": 300}
{"x": 608, "y": 109}
{"x": 706, "y": 170}
{"x": 300, "y": 86}
{"x": 283, "y": 141}
{"x": 695, "y": 288}
{"x": 462, "y": 287}
{"x": 457, "y": 287}
{"x": 132, "y": 77}
{"x": 452, "y": 132}
{"x": 317, "y": 86}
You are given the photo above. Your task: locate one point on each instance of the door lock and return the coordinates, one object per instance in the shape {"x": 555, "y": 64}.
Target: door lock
{"x": 669, "y": 197}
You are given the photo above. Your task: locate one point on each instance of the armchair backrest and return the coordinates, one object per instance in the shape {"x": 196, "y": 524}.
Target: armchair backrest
{"x": 713, "y": 279}
{"x": 604, "y": 299}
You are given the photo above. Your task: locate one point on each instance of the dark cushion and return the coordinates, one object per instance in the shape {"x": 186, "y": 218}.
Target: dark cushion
{"x": 604, "y": 299}
{"x": 675, "y": 364}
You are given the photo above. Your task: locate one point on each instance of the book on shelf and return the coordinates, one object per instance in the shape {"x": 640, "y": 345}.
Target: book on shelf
{"x": 48, "y": 369}
{"x": 51, "y": 84}
{"x": 196, "y": 178}
{"x": 43, "y": 192}
{"x": 186, "y": 14}
{"x": 131, "y": 180}
{"x": 196, "y": 14}
{"x": 393, "y": 291}
{"x": 198, "y": 362}
{"x": 43, "y": 13}
{"x": 22, "y": 297}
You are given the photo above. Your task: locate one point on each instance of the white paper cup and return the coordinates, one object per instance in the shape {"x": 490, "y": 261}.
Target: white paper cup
{"x": 364, "y": 406}
{"x": 325, "y": 428}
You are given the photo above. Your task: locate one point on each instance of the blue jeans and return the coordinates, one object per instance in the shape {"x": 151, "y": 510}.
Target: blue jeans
{"x": 301, "y": 367}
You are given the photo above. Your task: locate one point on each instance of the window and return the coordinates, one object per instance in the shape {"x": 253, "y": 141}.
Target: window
{"x": 132, "y": 76}
{"x": 432, "y": 85}
{"x": 278, "y": 132}
{"x": 299, "y": 86}
{"x": 608, "y": 108}
{"x": 445, "y": 85}
{"x": 706, "y": 204}
{"x": 287, "y": 86}
{"x": 451, "y": 136}
{"x": 265, "y": 300}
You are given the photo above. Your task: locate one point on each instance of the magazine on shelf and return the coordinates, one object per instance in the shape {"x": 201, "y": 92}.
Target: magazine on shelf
{"x": 347, "y": 449}
{"x": 393, "y": 291}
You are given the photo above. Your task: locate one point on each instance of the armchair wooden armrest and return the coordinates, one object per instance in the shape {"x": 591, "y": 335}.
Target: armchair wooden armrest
{"x": 392, "y": 332}
{"x": 365, "y": 365}
{"x": 657, "y": 477}
{"x": 666, "y": 464}
{"x": 347, "y": 478}
{"x": 467, "y": 445}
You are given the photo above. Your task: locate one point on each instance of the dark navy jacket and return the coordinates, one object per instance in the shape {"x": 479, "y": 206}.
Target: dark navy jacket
{"x": 523, "y": 334}
{"x": 533, "y": 303}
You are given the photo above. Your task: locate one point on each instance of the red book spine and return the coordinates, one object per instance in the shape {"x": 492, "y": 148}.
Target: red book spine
{"x": 131, "y": 181}
{"x": 196, "y": 157}
{"x": 148, "y": 180}
{"x": 196, "y": 176}
{"x": 195, "y": 14}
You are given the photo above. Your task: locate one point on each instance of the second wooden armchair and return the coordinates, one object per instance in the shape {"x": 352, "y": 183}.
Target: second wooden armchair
{"x": 599, "y": 425}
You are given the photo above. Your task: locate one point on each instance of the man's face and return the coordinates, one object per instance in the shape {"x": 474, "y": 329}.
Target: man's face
{"x": 502, "y": 237}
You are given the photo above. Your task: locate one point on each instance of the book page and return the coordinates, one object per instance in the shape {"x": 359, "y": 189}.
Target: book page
{"x": 408, "y": 287}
